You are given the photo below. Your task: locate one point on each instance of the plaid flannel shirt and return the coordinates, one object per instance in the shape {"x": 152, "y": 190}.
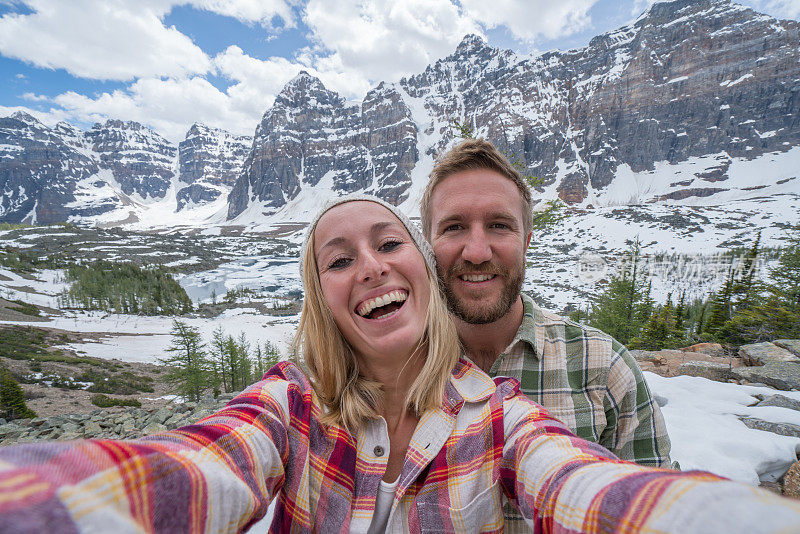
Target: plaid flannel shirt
{"x": 589, "y": 381}
{"x": 485, "y": 440}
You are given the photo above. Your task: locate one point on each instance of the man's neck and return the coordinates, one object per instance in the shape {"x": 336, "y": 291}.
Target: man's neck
{"x": 483, "y": 343}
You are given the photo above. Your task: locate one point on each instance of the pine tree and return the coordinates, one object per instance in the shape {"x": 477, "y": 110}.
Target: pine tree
{"x": 625, "y": 305}
{"x": 786, "y": 275}
{"x": 12, "y": 398}
{"x": 189, "y": 366}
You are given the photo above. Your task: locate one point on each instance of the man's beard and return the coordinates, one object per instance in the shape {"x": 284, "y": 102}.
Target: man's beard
{"x": 483, "y": 312}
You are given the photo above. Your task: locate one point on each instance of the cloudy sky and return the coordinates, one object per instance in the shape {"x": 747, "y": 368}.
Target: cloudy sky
{"x": 169, "y": 63}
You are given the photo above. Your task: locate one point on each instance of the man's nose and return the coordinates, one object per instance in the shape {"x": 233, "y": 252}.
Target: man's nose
{"x": 477, "y": 249}
{"x": 372, "y": 267}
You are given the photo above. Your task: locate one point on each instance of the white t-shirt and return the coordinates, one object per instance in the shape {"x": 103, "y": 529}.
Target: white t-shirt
{"x": 383, "y": 505}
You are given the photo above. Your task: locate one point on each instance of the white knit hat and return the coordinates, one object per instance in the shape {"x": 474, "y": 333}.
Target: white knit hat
{"x": 422, "y": 244}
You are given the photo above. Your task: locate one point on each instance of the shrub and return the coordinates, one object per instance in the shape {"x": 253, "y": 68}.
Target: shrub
{"x": 12, "y": 398}
{"x": 104, "y": 401}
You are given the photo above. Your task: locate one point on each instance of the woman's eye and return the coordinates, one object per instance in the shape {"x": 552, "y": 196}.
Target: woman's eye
{"x": 339, "y": 263}
{"x": 390, "y": 245}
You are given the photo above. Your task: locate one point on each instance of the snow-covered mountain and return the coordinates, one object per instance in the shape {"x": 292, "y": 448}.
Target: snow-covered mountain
{"x": 697, "y": 102}
{"x": 111, "y": 173}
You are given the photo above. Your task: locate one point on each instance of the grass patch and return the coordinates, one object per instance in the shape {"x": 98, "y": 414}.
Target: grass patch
{"x": 25, "y": 308}
{"x": 30, "y": 343}
{"x": 104, "y": 401}
{"x": 124, "y": 383}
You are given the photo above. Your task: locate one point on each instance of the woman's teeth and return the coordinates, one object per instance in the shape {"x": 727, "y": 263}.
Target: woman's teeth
{"x": 393, "y": 296}
{"x": 476, "y": 277}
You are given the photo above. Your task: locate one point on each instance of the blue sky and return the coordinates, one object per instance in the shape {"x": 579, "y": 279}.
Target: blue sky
{"x": 169, "y": 63}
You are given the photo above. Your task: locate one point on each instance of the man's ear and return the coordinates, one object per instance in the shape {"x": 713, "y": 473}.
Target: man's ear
{"x": 528, "y": 240}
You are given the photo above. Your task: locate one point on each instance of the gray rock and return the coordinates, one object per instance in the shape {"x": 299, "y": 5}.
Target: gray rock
{"x": 152, "y": 428}
{"x": 784, "y": 429}
{"x": 721, "y": 372}
{"x": 762, "y": 353}
{"x": 792, "y": 345}
{"x": 91, "y": 429}
{"x": 70, "y": 428}
{"x": 779, "y": 375}
{"x": 781, "y": 401}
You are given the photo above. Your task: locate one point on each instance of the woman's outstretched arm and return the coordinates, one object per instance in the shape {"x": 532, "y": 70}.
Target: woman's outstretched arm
{"x": 216, "y": 475}
{"x": 562, "y": 483}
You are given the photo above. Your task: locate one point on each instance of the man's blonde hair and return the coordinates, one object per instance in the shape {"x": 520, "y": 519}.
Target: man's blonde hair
{"x": 350, "y": 398}
{"x": 474, "y": 154}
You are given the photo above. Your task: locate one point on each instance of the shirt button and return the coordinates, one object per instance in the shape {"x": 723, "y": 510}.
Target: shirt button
{"x": 378, "y": 450}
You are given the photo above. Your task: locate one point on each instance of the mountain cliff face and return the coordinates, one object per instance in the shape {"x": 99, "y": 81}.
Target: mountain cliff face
{"x": 697, "y": 101}
{"x": 312, "y": 137}
{"x": 40, "y": 173}
{"x": 707, "y": 82}
{"x": 57, "y": 174}
{"x": 209, "y": 161}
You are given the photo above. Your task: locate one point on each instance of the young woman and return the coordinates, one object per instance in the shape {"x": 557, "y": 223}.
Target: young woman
{"x": 389, "y": 431}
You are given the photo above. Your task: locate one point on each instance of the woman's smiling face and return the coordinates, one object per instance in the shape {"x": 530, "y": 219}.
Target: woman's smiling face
{"x": 373, "y": 278}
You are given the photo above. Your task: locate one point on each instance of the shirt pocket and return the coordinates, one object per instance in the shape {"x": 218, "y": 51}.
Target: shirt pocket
{"x": 484, "y": 513}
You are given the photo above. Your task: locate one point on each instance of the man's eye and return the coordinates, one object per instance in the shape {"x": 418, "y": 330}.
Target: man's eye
{"x": 500, "y": 226}
{"x": 390, "y": 245}
{"x": 452, "y": 228}
{"x": 339, "y": 263}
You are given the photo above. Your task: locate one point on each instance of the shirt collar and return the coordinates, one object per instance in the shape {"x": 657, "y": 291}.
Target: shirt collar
{"x": 467, "y": 384}
{"x": 531, "y": 330}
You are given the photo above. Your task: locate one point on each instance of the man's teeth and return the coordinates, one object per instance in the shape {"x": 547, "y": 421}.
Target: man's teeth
{"x": 393, "y": 296}
{"x": 476, "y": 277}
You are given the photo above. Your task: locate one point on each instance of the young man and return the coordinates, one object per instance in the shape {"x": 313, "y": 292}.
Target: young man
{"x": 476, "y": 212}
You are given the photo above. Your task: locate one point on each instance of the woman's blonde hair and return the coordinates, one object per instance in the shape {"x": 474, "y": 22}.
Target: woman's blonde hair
{"x": 350, "y": 398}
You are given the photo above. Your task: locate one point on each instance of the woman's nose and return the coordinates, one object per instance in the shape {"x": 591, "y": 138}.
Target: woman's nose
{"x": 372, "y": 266}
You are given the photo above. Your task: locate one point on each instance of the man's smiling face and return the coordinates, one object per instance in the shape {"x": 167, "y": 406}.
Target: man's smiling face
{"x": 478, "y": 237}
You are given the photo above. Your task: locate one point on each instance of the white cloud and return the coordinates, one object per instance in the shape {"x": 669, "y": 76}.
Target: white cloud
{"x": 260, "y": 11}
{"x": 110, "y": 40}
{"x": 32, "y": 97}
{"x": 120, "y": 39}
{"x": 784, "y": 9}
{"x": 168, "y": 106}
{"x": 384, "y": 39}
{"x": 529, "y": 20}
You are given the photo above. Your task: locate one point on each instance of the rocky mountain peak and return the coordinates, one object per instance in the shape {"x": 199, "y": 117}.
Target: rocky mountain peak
{"x": 26, "y": 118}
{"x": 308, "y": 91}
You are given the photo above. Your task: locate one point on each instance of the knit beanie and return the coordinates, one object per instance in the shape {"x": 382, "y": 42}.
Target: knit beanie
{"x": 422, "y": 244}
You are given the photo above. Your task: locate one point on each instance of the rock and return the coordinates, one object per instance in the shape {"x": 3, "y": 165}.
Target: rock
{"x": 70, "y": 428}
{"x": 792, "y": 345}
{"x": 129, "y": 425}
{"x": 91, "y": 429}
{"x": 162, "y": 415}
{"x": 780, "y": 401}
{"x": 174, "y": 421}
{"x": 779, "y": 375}
{"x": 721, "y": 372}
{"x": 791, "y": 481}
{"x": 152, "y": 428}
{"x": 784, "y": 429}
{"x": 712, "y": 349}
{"x": 761, "y": 353}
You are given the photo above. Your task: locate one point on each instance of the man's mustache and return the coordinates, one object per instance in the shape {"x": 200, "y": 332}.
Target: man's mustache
{"x": 466, "y": 267}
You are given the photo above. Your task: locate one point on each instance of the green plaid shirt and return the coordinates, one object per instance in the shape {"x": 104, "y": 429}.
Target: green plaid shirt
{"x": 589, "y": 381}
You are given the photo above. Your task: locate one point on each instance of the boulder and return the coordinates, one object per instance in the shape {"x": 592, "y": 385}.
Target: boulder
{"x": 780, "y": 401}
{"x": 721, "y": 372}
{"x": 762, "y": 353}
{"x": 792, "y": 345}
{"x": 779, "y": 375}
{"x": 791, "y": 481}
{"x": 784, "y": 429}
{"x": 712, "y": 349}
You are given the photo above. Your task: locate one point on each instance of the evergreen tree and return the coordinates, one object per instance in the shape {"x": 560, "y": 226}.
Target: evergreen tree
{"x": 12, "y": 398}
{"x": 189, "y": 368}
{"x": 625, "y": 305}
{"x": 786, "y": 275}
{"x": 720, "y": 303}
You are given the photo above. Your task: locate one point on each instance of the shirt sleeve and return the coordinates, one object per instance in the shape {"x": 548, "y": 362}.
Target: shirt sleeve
{"x": 635, "y": 428}
{"x": 218, "y": 475}
{"x": 562, "y": 483}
